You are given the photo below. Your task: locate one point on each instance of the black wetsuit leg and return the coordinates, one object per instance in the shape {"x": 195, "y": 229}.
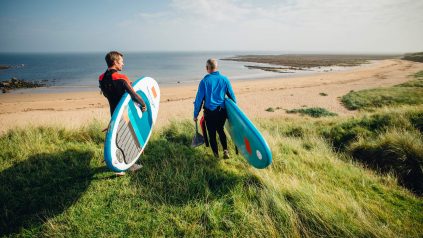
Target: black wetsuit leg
{"x": 215, "y": 122}
{"x": 113, "y": 104}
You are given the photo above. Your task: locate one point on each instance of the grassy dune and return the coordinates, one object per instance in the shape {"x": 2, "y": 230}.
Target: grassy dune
{"x": 409, "y": 93}
{"x": 330, "y": 177}
{"x": 417, "y": 57}
{"x": 54, "y": 183}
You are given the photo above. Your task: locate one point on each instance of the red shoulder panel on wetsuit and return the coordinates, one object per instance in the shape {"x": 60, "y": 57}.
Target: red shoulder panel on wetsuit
{"x": 101, "y": 77}
{"x": 117, "y": 76}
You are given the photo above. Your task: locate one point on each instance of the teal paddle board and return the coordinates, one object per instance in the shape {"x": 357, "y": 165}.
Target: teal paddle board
{"x": 246, "y": 137}
{"x": 130, "y": 128}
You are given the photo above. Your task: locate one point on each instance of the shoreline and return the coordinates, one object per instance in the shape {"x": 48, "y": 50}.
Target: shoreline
{"x": 75, "y": 109}
{"x": 277, "y": 72}
{"x": 59, "y": 89}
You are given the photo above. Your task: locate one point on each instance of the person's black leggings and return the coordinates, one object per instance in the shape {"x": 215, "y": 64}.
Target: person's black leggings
{"x": 215, "y": 121}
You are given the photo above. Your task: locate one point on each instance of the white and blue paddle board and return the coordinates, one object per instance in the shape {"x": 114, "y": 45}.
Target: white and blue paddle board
{"x": 246, "y": 137}
{"x": 129, "y": 128}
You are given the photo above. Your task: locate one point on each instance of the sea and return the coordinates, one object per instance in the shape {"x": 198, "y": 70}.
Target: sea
{"x": 79, "y": 71}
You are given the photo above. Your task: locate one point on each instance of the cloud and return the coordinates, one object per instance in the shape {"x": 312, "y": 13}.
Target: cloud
{"x": 217, "y": 10}
{"x": 295, "y": 25}
{"x": 153, "y": 15}
{"x": 339, "y": 25}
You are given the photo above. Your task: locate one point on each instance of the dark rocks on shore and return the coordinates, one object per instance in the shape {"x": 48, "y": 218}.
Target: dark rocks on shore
{"x": 2, "y": 66}
{"x": 5, "y": 67}
{"x": 15, "y": 83}
{"x": 275, "y": 69}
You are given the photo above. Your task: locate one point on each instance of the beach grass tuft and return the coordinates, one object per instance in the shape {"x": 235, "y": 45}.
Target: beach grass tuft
{"x": 313, "y": 112}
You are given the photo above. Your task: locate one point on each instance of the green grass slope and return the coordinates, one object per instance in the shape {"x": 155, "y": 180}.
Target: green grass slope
{"x": 417, "y": 57}
{"x": 53, "y": 182}
{"x": 409, "y": 93}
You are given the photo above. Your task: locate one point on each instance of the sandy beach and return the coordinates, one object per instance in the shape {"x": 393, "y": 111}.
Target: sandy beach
{"x": 254, "y": 97}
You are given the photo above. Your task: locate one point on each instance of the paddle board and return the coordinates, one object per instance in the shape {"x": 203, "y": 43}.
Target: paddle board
{"x": 129, "y": 128}
{"x": 246, "y": 137}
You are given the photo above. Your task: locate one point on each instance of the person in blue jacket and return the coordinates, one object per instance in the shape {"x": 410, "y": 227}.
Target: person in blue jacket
{"x": 211, "y": 91}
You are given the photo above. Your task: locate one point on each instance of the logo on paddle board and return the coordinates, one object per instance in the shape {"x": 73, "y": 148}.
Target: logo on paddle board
{"x": 259, "y": 156}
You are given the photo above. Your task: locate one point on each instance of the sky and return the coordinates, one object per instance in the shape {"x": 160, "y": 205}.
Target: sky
{"x": 333, "y": 26}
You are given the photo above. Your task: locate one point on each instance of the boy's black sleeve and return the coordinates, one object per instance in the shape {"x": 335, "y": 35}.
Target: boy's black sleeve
{"x": 133, "y": 94}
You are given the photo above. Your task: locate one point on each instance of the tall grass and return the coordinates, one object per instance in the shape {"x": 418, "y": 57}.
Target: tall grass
{"x": 54, "y": 183}
{"x": 396, "y": 150}
{"x": 365, "y": 139}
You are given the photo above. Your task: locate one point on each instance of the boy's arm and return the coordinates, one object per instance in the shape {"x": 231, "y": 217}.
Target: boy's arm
{"x": 230, "y": 92}
{"x": 199, "y": 99}
{"x": 128, "y": 88}
{"x": 134, "y": 95}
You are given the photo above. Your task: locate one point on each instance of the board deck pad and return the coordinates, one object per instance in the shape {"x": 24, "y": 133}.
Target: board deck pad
{"x": 126, "y": 142}
{"x": 130, "y": 128}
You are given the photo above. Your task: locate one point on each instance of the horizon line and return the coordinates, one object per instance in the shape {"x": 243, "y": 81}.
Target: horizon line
{"x": 214, "y": 51}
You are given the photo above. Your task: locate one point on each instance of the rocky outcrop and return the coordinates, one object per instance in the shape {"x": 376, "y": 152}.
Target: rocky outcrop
{"x": 15, "y": 83}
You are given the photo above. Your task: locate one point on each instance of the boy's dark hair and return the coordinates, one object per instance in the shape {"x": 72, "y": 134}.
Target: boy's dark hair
{"x": 111, "y": 57}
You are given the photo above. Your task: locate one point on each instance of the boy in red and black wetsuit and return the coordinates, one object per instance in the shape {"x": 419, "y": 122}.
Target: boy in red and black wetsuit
{"x": 113, "y": 85}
